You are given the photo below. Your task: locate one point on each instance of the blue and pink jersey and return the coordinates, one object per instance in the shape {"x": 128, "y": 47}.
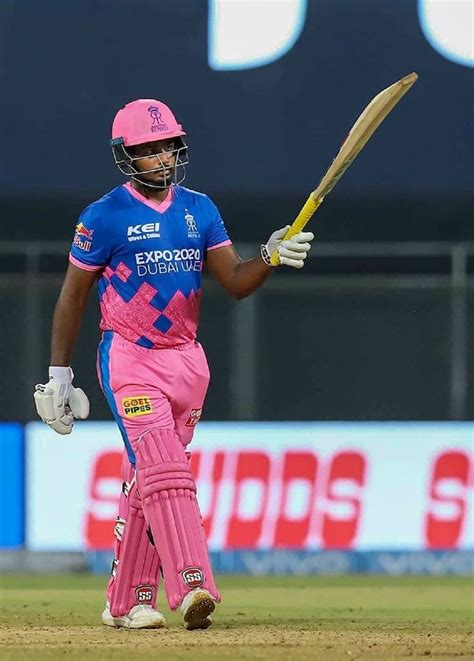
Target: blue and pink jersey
{"x": 150, "y": 257}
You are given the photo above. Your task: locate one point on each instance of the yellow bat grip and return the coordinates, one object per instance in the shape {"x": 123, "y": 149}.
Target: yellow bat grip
{"x": 299, "y": 222}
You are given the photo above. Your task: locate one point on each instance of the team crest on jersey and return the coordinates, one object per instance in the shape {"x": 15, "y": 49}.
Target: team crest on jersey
{"x": 193, "y": 232}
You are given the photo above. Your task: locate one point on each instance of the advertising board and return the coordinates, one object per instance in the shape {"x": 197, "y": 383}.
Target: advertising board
{"x": 12, "y": 481}
{"x": 261, "y": 486}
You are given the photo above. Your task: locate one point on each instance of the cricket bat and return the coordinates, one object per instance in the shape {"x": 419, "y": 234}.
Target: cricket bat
{"x": 365, "y": 126}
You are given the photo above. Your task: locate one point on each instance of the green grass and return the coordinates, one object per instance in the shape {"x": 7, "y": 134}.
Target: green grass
{"x": 47, "y": 617}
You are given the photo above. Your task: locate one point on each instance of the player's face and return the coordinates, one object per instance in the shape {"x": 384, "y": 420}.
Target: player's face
{"x": 159, "y": 155}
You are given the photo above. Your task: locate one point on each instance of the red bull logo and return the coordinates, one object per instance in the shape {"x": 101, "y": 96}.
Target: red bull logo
{"x": 83, "y": 237}
{"x": 81, "y": 230}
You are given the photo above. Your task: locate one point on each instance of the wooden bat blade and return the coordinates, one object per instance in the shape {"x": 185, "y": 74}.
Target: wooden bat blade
{"x": 362, "y": 130}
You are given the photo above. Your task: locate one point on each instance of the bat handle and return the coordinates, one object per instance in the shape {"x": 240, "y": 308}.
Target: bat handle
{"x": 299, "y": 222}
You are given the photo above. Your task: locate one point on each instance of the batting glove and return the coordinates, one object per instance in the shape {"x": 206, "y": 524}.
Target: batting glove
{"x": 291, "y": 252}
{"x": 58, "y": 403}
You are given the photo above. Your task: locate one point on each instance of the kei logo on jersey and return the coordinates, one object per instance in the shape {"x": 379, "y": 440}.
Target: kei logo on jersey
{"x": 193, "y": 232}
{"x": 144, "y": 231}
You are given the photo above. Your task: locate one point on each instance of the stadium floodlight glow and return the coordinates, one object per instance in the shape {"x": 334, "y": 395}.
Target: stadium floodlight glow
{"x": 448, "y": 27}
{"x": 244, "y": 35}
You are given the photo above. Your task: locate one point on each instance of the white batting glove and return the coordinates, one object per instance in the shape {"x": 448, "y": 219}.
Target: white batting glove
{"x": 291, "y": 252}
{"x": 58, "y": 403}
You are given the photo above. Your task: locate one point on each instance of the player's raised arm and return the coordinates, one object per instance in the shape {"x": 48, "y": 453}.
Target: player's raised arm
{"x": 57, "y": 401}
{"x": 240, "y": 278}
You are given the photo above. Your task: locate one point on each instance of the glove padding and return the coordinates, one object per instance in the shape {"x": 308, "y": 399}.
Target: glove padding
{"x": 291, "y": 252}
{"x": 58, "y": 404}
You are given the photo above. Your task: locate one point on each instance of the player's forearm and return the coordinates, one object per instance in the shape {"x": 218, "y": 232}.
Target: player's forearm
{"x": 249, "y": 276}
{"x": 66, "y": 323}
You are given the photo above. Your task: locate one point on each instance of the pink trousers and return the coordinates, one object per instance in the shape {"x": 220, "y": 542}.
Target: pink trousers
{"x": 156, "y": 396}
{"x": 149, "y": 388}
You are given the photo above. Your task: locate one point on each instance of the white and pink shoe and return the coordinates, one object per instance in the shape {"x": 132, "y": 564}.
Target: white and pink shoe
{"x": 141, "y": 616}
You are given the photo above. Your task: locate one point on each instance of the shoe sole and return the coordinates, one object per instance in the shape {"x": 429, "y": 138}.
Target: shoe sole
{"x": 198, "y": 614}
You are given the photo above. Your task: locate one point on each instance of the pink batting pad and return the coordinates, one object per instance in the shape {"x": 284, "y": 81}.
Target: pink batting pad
{"x": 168, "y": 493}
{"x": 127, "y": 474}
{"x": 137, "y": 564}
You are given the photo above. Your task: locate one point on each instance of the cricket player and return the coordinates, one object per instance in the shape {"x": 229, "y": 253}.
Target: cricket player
{"x": 145, "y": 243}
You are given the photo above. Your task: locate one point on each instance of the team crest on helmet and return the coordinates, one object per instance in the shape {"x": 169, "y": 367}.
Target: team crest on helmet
{"x": 157, "y": 124}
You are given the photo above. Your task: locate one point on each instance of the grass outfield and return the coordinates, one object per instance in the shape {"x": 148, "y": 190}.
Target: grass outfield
{"x": 352, "y": 617}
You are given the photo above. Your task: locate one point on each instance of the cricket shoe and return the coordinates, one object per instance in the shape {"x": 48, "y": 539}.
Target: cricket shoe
{"x": 141, "y": 616}
{"x": 197, "y": 608}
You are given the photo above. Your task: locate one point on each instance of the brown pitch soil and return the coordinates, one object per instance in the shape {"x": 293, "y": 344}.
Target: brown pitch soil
{"x": 276, "y": 618}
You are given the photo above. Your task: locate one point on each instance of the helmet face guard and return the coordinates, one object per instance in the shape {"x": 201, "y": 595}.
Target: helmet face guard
{"x": 126, "y": 163}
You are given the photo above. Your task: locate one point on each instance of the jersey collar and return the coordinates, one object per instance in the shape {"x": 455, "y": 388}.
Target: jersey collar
{"x": 160, "y": 208}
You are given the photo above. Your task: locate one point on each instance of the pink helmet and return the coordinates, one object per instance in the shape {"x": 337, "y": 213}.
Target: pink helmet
{"x": 145, "y": 120}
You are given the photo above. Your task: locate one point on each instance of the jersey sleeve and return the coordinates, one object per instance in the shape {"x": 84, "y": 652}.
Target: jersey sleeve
{"x": 217, "y": 236}
{"x": 90, "y": 248}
